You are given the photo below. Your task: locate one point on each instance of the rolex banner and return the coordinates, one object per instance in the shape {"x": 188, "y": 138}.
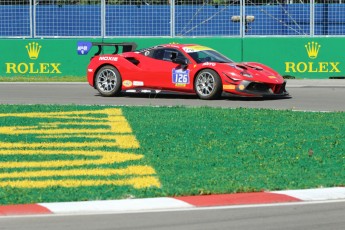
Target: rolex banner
{"x": 312, "y": 58}
{"x": 41, "y": 58}
{"x": 59, "y": 57}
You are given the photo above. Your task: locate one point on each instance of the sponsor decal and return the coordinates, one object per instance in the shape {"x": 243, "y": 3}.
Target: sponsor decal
{"x": 108, "y": 58}
{"x": 192, "y": 49}
{"x": 232, "y": 87}
{"x": 127, "y": 83}
{"x": 83, "y": 47}
{"x": 180, "y": 76}
{"x": 33, "y": 50}
{"x": 209, "y": 64}
{"x": 138, "y": 83}
{"x": 312, "y": 50}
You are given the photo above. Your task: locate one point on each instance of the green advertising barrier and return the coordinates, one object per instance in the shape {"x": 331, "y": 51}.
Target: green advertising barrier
{"x": 312, "y": 58}
{"x": 59, "y": 58}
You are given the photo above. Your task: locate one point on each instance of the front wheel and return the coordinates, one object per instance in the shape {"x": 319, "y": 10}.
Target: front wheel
{"x": 108, "y": 81}
{"x": 208, "y": 84}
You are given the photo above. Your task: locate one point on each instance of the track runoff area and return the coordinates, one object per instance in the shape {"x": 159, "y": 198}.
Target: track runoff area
{"x": 54, "y": 154}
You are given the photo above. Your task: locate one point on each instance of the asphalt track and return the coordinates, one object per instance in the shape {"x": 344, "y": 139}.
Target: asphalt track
{"x": 311, "y": 95}
{"x": 306, "y": 216}
{"x": 327, "y": 95}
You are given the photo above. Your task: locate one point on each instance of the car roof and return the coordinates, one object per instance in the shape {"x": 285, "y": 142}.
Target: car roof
{"x": 180, "y": 45}
{"x": 189, "y": 48}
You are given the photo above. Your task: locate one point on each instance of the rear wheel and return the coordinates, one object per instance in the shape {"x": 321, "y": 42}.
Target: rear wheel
{"x": 208, "y": 84}
{"x": 108, "y": 81}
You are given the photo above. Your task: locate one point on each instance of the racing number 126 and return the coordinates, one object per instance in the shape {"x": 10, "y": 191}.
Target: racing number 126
{"x": 181, "y": 77}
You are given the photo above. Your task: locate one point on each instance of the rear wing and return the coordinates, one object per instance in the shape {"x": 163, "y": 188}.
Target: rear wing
{"x": 84, "y": 47}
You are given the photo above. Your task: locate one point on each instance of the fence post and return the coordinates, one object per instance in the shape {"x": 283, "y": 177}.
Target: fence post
{"x": 103, "y": 9}
{"x": 242, "y": 18}
{"x": 33, "y": 18}
{"x": 172, "y": 18}
{"x": 312, "y": 18}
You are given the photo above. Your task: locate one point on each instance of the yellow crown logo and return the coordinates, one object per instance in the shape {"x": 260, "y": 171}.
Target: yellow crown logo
{"x": 33, "y": 50}
{"x": 312, "y": 49}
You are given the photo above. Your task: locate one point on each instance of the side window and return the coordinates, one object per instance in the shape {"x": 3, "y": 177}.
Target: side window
{"x": 158, "y": 54}
{"x": 167, "y": 54}
{"x": 180, "y": 55}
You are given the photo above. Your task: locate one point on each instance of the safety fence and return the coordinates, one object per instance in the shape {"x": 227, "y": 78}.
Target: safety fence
{"x": 170, "y": 18}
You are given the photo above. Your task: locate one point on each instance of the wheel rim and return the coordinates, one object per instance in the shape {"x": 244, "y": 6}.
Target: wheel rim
{"x": 106, "y": 80}
{"x": 205, "y": 84}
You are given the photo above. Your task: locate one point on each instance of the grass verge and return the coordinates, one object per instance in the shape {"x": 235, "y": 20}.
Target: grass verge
{"x": 179, "y": 151}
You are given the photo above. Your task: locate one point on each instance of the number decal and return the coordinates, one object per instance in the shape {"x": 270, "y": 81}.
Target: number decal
{"x": 180, "y": 76}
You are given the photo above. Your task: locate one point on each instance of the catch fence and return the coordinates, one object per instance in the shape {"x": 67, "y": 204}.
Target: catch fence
{"x": 170, "y": 18}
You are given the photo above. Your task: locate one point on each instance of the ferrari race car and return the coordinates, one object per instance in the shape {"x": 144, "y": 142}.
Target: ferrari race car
{"x": 185, "y": 68}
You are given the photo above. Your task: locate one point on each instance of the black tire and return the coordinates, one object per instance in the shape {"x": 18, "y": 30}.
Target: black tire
{"x": 208, "y": 85}
{"x": 108, "y": 81}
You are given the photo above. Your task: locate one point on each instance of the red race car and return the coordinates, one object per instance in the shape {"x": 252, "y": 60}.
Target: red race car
{"x": 186, "y": 68}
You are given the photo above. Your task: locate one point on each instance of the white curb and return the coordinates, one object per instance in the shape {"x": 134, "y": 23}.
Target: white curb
{"x": 316, "y": 194}
{"x": 115, "y": 205}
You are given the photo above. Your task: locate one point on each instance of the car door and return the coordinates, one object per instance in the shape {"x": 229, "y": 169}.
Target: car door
{"x": 163, "y": 73}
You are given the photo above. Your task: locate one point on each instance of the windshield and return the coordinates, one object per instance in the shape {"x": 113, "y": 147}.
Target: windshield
{"x": 209, "y": 56}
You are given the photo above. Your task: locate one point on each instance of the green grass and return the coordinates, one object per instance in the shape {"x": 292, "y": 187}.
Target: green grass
{"x": 203, "y": 150}
{"x": 207, "y": 151}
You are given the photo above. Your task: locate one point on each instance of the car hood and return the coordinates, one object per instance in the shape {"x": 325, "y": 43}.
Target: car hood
{"x": 252, "y": 71}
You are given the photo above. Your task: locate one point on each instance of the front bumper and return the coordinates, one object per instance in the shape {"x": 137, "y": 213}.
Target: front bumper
{"x": 259, "y": 89}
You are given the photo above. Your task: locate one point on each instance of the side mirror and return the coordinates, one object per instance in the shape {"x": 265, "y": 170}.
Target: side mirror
{"x": 181, "y": 61}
